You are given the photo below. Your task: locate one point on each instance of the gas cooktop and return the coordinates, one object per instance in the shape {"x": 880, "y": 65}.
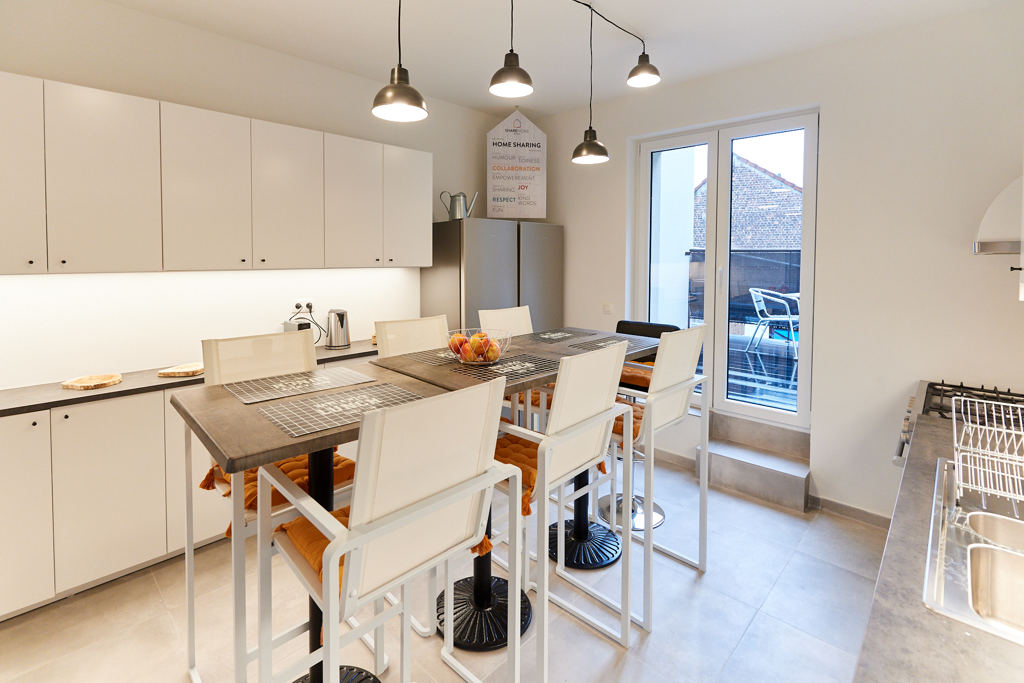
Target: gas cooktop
{"x": 938, "y": 398}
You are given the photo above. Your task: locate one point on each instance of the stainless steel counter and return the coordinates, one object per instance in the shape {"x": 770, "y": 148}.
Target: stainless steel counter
{"x": 906, "y": 641}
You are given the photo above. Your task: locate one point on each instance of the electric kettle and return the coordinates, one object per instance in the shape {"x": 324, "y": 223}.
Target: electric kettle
{"x": 337, "y": 329}
{"x": 456, "y": 205}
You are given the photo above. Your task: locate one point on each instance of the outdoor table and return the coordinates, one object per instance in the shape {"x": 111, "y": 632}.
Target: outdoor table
{"x": 239, "y": 437}
{"x": 479, "y": 622}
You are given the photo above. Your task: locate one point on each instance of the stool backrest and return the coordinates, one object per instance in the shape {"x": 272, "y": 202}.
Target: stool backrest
{"x": 407, "y": 454}
{"x": 586, "y": 385}
{"x": 678, "y": 353}
{"x": 511, "y": 321}
{"x": 395, "y": 337}
{"x": 240, "y": 358}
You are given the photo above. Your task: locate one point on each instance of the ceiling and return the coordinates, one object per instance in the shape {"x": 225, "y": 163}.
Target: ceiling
{"x": 452, "y": 47}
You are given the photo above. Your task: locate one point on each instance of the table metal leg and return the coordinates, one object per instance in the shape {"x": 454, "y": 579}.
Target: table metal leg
{"x": 321, "y": 489}
{"x": 480, "y": 608}
{"x": 588, "y": 545}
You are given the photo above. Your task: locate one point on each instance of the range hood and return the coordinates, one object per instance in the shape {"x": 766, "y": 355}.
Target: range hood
{"x": 1001, "y": 227}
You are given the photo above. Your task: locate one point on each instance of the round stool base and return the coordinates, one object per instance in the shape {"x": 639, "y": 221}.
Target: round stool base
{"x": 348, "y": 674}
{"x": 483, "y": 629}
{"x": 637, "y": 514}
{"x": 600, "y": 549}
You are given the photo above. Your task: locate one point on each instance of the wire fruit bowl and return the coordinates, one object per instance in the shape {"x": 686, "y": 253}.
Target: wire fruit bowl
{"x": 988, "y": 448}
{"x": 473, "y": 346}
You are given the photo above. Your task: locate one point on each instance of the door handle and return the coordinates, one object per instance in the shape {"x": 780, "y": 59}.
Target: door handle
{"x": 721, "y": 276}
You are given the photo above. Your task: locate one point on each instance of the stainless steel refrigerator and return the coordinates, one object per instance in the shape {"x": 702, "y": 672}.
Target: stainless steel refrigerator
{"x": 489, "y": 263}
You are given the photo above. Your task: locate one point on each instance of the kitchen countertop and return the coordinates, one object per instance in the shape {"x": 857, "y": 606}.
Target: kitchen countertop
{"x": 45, "y": 396}
{"x": 904, "y": 639}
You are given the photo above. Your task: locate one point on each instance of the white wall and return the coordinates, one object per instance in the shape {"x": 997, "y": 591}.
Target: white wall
{"x": 56, "y": 326}
{"x": 920, "y": 129}
{"x": 62, "y": 326}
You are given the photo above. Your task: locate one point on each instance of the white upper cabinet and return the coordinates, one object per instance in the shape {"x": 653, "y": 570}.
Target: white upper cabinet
{"x": 207, "y": 189}
{"x": 22, "y": 176}
{"x": 408, "y": 194}
{"x": 102, "y": 180}
{"x": 287, "y": 196}
{"x": 353, "y": 202}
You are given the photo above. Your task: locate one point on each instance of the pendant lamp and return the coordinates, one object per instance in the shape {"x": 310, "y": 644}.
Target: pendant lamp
{"x": 644, "y": 74}
{"x": 590, "y": 151}
{"x": 398, "y": 100}
{"x": 511, "y": 80}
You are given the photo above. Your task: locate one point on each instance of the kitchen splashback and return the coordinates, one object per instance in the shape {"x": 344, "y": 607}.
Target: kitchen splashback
{"x": 63, "y": 326}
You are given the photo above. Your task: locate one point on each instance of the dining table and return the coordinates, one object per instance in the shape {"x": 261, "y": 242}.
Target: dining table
{"x": 529, "y": 362}
{"x": 240, "y": 436}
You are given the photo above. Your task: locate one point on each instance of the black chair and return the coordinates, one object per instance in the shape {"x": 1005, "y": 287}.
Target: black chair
{"x": 640, "y": 329}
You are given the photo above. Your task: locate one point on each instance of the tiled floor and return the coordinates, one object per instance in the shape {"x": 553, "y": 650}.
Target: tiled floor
{"x": 785, "y": 598}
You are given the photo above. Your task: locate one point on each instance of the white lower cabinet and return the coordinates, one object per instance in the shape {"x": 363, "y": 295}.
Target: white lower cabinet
{"x": 26, "y": 535}
{"x": 212, "y": 511}
{"x": 109, "y": 511}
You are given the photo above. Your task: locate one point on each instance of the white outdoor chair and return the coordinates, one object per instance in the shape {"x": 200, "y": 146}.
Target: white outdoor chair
{"x": 510, "y": 321}
{"x": 424, "y": 479}
{"x": 577, "y": 439}
{"x": 766, "y": 320}
{"x": 395, "y": 337}
{"x": 234, "y": 360}
{"x": 666, "y": 402}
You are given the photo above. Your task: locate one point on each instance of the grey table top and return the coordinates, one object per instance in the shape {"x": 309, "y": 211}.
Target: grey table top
{"x": 238, "y": 436}
{"x": 450, "y": 375}
{"x": 52, "y": 395}
{"x": 904, "y": 640}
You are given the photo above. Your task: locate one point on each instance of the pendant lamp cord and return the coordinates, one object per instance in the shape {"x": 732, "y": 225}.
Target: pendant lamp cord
{"x": 590, "y": 122}
{"x": 624, "y": 30}
{"x": 512, "y": 26}
{"x": 399, "y": 33}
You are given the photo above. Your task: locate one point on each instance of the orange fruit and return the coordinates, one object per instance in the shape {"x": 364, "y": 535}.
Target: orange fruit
{"x": 479, "y": 341}
{"x": 456, "y": 341}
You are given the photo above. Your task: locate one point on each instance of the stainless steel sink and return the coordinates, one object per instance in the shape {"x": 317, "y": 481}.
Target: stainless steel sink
{"x": 996, "y": 576}
{"x": 975, "y": 570}
{"x": 997, "y": 529}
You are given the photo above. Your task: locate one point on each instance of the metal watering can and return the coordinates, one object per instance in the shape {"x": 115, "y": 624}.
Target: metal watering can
{"x": 456, "y": 204}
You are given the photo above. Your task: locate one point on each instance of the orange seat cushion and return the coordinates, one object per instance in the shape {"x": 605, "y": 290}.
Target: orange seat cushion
{"x": 295, "y": 468}
{"x": 311, "y": 543}
{"x": 638, "y": 416}
{"x": 514, "y": 450}
{"x": 637, "y": 377}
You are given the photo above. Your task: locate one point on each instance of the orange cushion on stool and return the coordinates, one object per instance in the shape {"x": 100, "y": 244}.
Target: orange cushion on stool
{"x": 638, "y": 377}
{"x": 295, "y": 468}
{"x": 311, "y": 543}
{"x": 638, "y": 416}
{"x": 513, "y": 450}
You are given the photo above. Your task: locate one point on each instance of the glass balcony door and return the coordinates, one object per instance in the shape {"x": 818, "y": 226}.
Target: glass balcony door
{"x": 676, "y": 247}
{"x": 765, "y": 246}
{"x": 727, "y": 240}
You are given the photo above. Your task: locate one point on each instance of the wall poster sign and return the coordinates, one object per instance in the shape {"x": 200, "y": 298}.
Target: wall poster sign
{"x": 517, "y": 176}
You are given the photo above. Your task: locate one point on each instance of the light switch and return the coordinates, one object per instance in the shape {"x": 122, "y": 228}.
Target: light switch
{"x": 606, "y": 308}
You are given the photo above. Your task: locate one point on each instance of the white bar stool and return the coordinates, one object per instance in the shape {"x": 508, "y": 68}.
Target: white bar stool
{"x": 424, "y": 479}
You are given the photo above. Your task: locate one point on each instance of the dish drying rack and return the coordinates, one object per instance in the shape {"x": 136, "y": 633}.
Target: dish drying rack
{"x": 988, "y": 449}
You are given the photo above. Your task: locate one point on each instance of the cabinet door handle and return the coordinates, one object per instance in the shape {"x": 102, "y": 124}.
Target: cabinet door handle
{"x": 62, "y": 261}
{"x": 34, "y": 423}
{"x": 377, "y": 259}
{"x": 263, "y": 260}
{"x": 243, "y": 260}
{"x": 391, "y": 259}
{"x": 67, "y": 417}
{"x": 31, "y": 262}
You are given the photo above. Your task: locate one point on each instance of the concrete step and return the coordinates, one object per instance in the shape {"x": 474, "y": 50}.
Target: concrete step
{"x": 791, "y": 443}
{"x": 759, "y": 473}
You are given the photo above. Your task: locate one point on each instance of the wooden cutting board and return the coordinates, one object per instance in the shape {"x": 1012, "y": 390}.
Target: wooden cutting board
{"x": 92, "y": 382}
{"x": 183, "y": 370}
